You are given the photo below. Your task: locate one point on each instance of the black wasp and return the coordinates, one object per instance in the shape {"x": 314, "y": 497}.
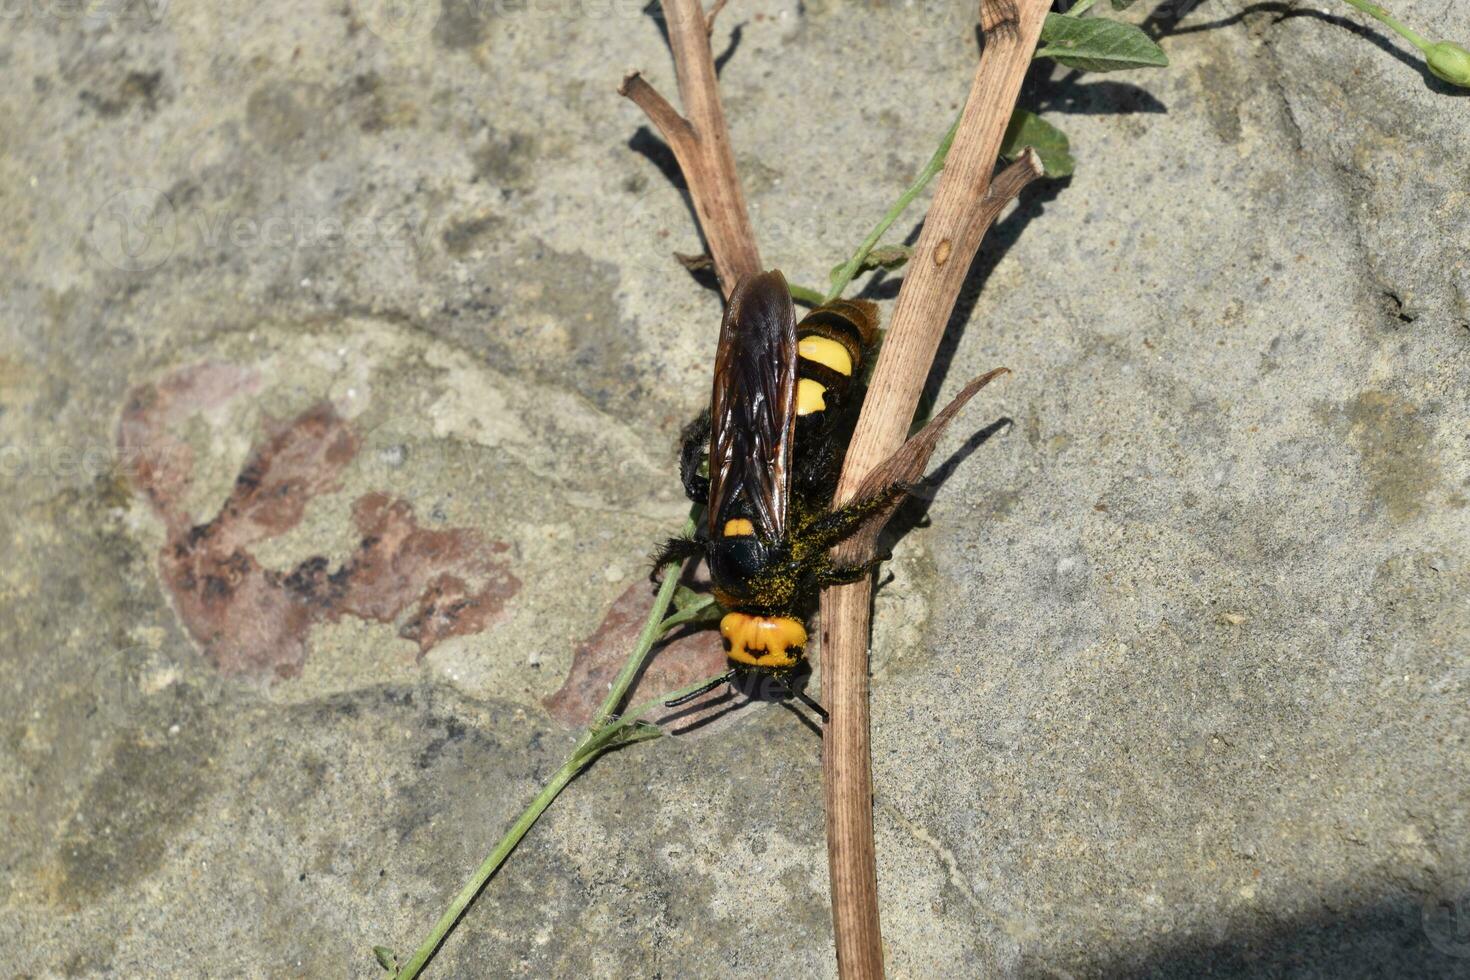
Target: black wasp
{"x": 786, "y": 396}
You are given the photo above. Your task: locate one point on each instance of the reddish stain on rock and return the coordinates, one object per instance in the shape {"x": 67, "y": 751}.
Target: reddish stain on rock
{"x": 252, "y": 620}
{"x": 677, "y": 663}
{"x": 159, "y": 463}
{"x": 399, "y": 564}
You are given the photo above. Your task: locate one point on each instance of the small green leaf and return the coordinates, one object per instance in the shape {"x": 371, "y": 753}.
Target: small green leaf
{"x": 387, "y": 959}
{"x": 692, "y": 607}
{"x": 1051, "y": 144}
{"x": 882, "y": 257}
{"x": 1095, "y": 44}
{"x": 888, "y": 257}
{"x": 639, "y": 731}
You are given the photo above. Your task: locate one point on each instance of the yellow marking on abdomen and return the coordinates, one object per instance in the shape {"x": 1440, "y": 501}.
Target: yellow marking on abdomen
{"x": 762, "y": 641}
{"x": 739, "y": 527}
{"x": 827, "y": 352}
{"x": 809, "y": 397}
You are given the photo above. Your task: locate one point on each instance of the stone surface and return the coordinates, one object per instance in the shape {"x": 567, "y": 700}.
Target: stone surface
{"x": 1173, "y": 683}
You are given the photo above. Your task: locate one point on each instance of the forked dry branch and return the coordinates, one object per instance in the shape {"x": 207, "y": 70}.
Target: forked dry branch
{"x": 701, "y": 141}
{"x": 966, "y": 204}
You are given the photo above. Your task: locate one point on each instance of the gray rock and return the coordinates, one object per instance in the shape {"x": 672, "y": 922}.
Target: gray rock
{"x": 1173, "y": 684}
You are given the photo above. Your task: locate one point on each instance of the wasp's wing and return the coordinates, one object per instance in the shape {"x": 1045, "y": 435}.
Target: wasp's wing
{"x": 754, "y": 407}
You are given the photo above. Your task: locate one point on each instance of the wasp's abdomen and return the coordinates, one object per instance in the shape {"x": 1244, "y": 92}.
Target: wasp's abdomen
{"x": 831, "y": 342}
{"x": 772, "y": 642}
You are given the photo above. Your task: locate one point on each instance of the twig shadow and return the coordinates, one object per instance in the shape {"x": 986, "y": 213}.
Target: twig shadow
{"x": 723, "y": 58}
{"x": 914, "y": 512}
{"x": 1003, "y": 236}
{"x": 647, "y": 144}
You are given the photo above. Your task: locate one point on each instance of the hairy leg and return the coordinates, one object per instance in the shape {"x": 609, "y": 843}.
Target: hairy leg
{"x": 832, "y": 574}
{"x": 693, "y": 444}
{"x": 675, "y": 551}
{"x": 840, "y": 524}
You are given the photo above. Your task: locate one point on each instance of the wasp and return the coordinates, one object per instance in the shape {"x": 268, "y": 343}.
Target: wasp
{"x": 785, "y": 398}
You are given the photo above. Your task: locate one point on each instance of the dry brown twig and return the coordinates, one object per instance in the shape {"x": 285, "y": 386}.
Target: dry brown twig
{"x": 701, "y": 141}
{"x": 966, "y": 203}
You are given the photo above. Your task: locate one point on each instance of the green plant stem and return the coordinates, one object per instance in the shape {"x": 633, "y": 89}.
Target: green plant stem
{"x": 1383, "y": 16}
{"x": 430, "y": 945}
{"x": 849, "y": 269}
{"x": 803, "y": 294}
{"x": 689, "y": 614}
{"x": 646, "y": 639}
{"x": 602, "y": 734}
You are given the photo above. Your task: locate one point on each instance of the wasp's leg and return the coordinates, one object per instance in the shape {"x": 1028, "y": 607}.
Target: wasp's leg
{"x": 675, "y": 551}
{"x": 693, "y": 444}
{"x": 838, "y": 525}
{"x": 830, "y": 574}
{"x": 804, "y": 698}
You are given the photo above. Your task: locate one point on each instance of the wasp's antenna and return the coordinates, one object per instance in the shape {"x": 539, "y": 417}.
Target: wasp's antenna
{"x": 704, "y": 689}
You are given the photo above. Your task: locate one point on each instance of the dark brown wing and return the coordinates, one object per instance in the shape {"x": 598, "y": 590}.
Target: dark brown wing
{"x": 753, "y": 412}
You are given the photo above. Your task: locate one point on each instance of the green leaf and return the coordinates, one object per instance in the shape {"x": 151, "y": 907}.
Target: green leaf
{"x": 1095, "y": 44}
{"x": 888, "y": 257}
{"x": 639, "y": 731}
{"x": 882, "y": 257}
{"x": 692, "y": 607}
{"x": 387, "y": 959}
{"x": 1051, "y": 144}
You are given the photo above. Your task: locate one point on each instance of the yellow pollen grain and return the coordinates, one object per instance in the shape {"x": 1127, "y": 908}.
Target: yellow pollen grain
{"x": 809, "y": 397}
{"x": 827, "y": 352}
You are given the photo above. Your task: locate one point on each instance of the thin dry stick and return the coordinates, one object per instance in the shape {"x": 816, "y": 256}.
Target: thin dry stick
{"x": 964, "y": 206}
{"x": 701, "y": 141}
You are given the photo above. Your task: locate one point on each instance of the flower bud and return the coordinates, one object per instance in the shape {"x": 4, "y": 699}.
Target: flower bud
{"x": 1450, "y": 62}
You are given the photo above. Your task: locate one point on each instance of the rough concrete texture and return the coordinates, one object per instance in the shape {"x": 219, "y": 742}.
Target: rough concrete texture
{"x": 343, "y": 361}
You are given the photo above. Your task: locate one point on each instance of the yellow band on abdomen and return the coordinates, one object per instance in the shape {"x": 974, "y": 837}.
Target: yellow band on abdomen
{"x": 739, "y": 527}
{"x": 762, "y": 641}
{"x": 809, "y": 397}
{"x": 827, "y": 352}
